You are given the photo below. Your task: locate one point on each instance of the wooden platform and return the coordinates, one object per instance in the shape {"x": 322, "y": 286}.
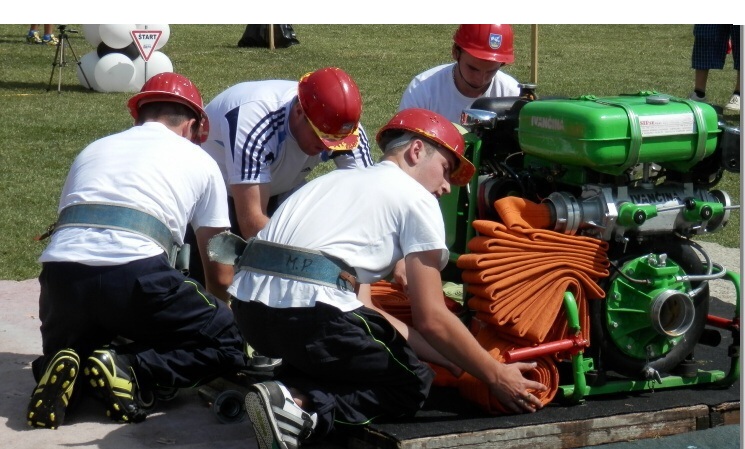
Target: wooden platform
{"x": 448, "y": 421}
{"x": 566, "y": 434}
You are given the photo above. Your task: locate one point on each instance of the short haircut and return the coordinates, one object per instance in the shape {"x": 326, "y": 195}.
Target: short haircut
{"x": 396, "y": 139}
{"x": 172, "y": 113}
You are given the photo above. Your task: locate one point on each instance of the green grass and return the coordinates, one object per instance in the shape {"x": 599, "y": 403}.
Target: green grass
{"x": 44, "y": 130}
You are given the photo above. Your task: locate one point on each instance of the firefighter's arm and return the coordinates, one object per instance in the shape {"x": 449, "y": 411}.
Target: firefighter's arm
{"x": 451, "y": 338}
{"x": 422, "y": 349}
{"x": 218, "y": 277}
{"x": 399, "y": 274}
{"x": 251, "y": 202}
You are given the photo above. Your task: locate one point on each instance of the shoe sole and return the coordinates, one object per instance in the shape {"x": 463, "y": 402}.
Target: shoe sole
{"x": 259, "y": 409}
{"x": 52, "y": 395}
{"x": 114, "y": 396}
{"x": 263, "y": 364}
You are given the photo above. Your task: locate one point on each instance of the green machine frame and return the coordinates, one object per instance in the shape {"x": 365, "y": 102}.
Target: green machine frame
{"x": 459, "y": 211}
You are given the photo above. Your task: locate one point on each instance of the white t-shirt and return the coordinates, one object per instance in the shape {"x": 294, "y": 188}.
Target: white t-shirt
{"x": 435, "y": 90}
{"x": 150, "y": 168}
{"x": 369, "y": 218}
{"x": 251, "y": 141}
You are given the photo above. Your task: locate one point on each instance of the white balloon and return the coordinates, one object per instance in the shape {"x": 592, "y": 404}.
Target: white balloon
{"x": 158, "y": 63}
{"x": 114, "y": 73}
{"x": 139, "y": 79}
{"x": 163, "y": 27}
{"x": 92, "y": 34}
{"x": 88, "y": 66}
{"x": 116, "y": 35}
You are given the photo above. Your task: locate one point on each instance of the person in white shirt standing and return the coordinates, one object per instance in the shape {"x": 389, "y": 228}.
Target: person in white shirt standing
{"x": 480, "y": 53}
{"x": 113, "y": 308}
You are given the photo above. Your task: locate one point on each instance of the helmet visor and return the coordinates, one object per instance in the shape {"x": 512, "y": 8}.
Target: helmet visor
{"x": 463, "y": 171}
{"x": 337, "y": 142}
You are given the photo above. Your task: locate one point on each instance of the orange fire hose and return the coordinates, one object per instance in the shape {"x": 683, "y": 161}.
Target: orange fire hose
{"x": 517, "y": 272}
{"x": 390, "y": 297}
{"x": 496, "y": 345}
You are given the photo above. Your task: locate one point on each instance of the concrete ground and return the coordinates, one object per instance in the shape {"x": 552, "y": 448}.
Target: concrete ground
{"x": 188, "y": 422}
{"x": 185, "y": 422}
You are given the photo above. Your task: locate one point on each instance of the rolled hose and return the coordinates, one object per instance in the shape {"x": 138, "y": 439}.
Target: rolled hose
{"x": 391, "y": 298}
{"x": 518, "y": 273}
{"x": 477, "y": 392}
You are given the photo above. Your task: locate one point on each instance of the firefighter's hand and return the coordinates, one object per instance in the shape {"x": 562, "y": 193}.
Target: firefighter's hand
{"x": 514, "y": 391}
{"x": 399, "y": 274}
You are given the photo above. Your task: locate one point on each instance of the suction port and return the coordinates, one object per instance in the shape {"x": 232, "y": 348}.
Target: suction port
{"x": 672, "y": 313}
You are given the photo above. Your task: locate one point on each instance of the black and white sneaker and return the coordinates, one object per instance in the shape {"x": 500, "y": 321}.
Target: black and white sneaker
{"x": 277, "y": 421}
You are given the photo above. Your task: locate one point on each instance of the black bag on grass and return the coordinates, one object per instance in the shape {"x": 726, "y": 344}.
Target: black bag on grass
{"x": 258, "y": 36}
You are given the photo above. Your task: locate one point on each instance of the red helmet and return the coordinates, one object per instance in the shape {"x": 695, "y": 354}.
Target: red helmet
{"x": 333, "y": 105}
{"x": 169, "y": 86}
{"x": 490, "y": 42}
{"x": 436, "y": 128}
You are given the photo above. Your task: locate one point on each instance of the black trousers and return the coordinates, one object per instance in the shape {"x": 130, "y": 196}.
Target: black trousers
{"x": 181, "y": 336}
{"x": 354, "y": 365}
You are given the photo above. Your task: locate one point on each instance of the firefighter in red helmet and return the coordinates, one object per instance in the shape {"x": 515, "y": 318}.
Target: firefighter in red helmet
{"x": 347, "y": 361}
{"x": 480, "y": 52}
{"x": 111, "y": 271}
{"x": 267, "y": 136}
{"x": 172, "y": 87}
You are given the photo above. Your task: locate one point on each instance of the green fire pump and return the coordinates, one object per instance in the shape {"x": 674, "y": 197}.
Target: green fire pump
{"x": 639, "y": 172}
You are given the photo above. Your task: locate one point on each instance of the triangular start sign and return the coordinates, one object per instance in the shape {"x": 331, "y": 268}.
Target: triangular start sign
{"x": 146, "y": 41}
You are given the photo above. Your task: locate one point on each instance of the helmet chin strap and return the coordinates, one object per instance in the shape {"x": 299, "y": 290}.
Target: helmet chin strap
{"x": 463, "y": 78}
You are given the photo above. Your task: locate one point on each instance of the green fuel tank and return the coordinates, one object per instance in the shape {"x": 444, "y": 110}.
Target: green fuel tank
{"x": 612, "y": 134}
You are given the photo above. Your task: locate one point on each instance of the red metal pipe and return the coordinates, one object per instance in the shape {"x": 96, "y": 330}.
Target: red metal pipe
{"x": 723, "y": 323}
{"x": 574, "y": 345}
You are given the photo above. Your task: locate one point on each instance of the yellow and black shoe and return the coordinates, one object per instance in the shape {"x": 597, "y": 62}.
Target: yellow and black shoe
{"x": 51, "y": 396}
{"x": 33, "y": 38}
{"x": 113, "y": 380}
{"x": 50, "y": 39}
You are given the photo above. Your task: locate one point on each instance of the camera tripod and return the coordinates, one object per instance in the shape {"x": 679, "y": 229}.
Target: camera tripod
{"x": 60, "y": 61}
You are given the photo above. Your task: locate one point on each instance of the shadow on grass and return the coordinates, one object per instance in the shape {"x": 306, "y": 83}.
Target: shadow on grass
{"x": 43, "y": 86}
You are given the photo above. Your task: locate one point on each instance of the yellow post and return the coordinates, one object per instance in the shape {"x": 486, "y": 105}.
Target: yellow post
{"x": 534, "y": 54}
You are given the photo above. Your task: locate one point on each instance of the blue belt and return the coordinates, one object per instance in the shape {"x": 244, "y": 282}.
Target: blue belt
{"x": 299, "y": 264}
{"x": 110, "y": 216}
